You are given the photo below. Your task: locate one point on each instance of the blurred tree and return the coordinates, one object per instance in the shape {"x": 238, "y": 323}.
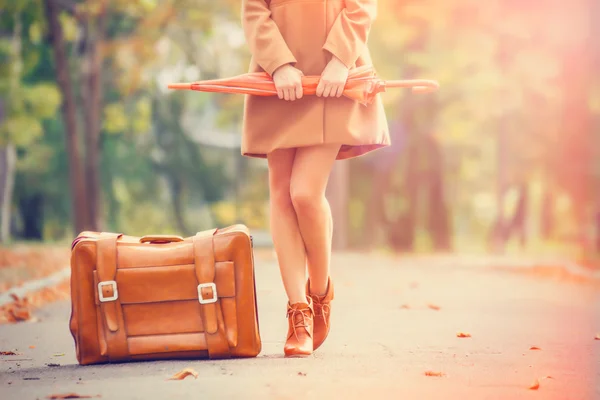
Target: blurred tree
{"x": 24, "y": 103}
{"x": 116, "y": 54}
{"x": 574, "y": 167}
{"x": 77, "y": 182}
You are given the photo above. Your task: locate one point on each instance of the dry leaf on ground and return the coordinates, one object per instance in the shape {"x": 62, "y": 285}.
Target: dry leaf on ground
{"x": 433, "y": 307}
{"x": 8, "y": 353}
{"x": 463, "y": 335}
{"x": 536, "y": 384}
{"x": 32, "y": 347}
{"x": 434, "y": 373}
{"x": 534, "y": 348}
{"x": 21, "y": 309}
{"x": 70, "y": 396}
{"x": 184, "y": 373}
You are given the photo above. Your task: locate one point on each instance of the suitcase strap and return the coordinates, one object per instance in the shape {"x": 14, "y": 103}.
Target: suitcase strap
{"x": 110, "y": 305}
{"x": 210, "y": 306}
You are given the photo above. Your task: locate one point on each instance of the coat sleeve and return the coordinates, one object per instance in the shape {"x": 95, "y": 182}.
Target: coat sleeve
{"x": 266, "y": 43}
{"x": 348, "y": 35}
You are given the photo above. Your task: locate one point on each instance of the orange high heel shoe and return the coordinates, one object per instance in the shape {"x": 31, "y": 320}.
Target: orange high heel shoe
{"x": 299, "y": 341}
{"x": 322, "y": 309}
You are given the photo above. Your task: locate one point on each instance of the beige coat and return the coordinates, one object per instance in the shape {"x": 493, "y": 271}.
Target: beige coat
{"x": 306, "y": 33}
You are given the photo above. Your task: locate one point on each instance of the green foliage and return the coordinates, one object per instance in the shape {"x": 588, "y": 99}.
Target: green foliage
{"x": 499, "y": 66}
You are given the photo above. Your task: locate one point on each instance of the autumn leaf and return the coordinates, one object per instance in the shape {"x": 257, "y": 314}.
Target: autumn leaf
{"x": 536, "y": 384}
{"x": 463, "y": 335}
{"x": 8, "y": 353}
{"x": 433, "y": 307}
{"x": 434, "y": 373}
{"x": 184, "y": 373}
{"x": 32, "y": 347}
{"x": 534, "y": 348}
{"x": 70, "y": 396}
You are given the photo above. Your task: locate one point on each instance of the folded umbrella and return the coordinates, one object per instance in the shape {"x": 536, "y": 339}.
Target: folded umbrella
{"x": 362, "y": 85}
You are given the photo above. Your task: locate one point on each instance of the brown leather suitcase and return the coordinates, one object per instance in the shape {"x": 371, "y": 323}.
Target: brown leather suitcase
{"x": 163, "y": 297}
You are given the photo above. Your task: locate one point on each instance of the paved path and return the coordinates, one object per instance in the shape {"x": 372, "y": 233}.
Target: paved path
{"x": 377, "y": 349}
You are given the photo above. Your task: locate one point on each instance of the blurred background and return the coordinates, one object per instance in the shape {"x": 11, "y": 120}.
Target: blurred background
{"x": 504, "y": 158}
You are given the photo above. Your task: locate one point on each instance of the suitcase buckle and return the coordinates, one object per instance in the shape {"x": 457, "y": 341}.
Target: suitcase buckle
{"x": 212, "y": 299}
{"x": 101, "y": 296}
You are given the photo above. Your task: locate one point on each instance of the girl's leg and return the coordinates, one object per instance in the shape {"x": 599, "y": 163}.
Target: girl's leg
{"x": 284, "y": 226}
{"x": 310, "y": 173}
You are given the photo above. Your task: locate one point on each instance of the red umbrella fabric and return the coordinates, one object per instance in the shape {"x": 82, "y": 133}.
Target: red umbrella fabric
{"x": 362, "y": 85}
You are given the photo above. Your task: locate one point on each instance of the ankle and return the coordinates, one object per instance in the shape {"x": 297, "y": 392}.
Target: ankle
{"x": 297, "y": 300}
{"x": 318, "y": 290}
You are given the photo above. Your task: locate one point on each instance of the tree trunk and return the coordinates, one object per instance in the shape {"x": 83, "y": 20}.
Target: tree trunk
{"x": 78, "y": 195}
{"x": 175, "y": 185}
{"x": 576, "y": 139}
{"x": 439, "y": 220}
{"x": 92, "y": 99}
{"x": 518, "y": 221}
{"x": 401, "y": 232}
{"x": 375, "y": 207}
{"x": 8, "y": 158}
{"x": 547, "y": 211}
{"x": 32, "y": 214}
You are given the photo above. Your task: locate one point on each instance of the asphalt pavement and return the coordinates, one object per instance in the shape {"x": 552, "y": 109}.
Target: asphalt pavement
{"x": 392, "y": 320}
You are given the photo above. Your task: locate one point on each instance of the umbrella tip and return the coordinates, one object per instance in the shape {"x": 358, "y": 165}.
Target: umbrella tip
{"x": 179, "y": 86}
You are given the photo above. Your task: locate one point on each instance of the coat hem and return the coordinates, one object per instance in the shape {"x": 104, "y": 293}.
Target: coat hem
{"x": 346, "y": 151}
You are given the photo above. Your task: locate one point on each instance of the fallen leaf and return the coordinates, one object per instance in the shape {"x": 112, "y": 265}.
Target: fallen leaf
{"x": 433, "y": 307}
{"x": 32, "y": 347}
{"x": 463, "y": 335}
{"x": 534, "y": 348}
{"x": 184, "y": 373}
{"x": 536, "y": 384}
{"x": 20, "y": 314}
{"x": 597, "y": 337}
{"x": 405, "y": 306}
{"x": 8, "y": 353}
{"x": 70, "y": 396}
{"x": 434, "y": 373}
{"x": 58, "y": 354}
{"x": 302, "y": 373}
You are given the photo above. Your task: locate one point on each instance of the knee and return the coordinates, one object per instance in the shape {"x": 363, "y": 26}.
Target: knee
{"x": 304, "y": 200}
{"x": 280, "y": 195}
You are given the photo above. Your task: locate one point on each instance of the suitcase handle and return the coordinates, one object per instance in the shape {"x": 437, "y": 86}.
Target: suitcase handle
{"x": 160, "y": 239}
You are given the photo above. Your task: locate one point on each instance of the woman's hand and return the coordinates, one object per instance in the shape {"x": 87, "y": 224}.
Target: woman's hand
{"x": 288, "y": 82}
{"x": 333, "y": 79}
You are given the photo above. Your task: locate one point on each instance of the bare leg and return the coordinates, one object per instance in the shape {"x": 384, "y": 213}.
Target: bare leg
{"x": 284, "y": 226}
{"x": 310, "y": 173}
